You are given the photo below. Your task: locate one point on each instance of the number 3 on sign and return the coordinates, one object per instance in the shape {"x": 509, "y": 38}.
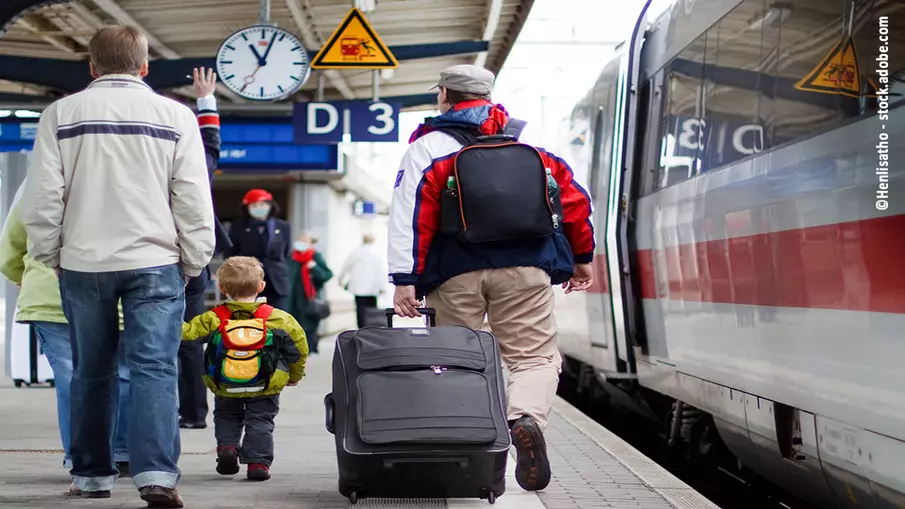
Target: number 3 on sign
{"x": 385, "y": 117}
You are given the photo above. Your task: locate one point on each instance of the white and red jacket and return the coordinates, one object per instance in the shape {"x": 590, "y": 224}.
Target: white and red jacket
{"x": 419, "y": 255}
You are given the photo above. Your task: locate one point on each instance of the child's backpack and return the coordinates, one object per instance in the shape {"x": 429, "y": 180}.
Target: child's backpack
{"x": 242, "y": 354}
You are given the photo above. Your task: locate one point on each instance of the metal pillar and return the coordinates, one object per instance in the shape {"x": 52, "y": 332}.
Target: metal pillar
{"x": 375, "y": 85}
{"x": 13, "y": 167}
{"x": 320, "y": 86}
{"x": 264, "y": 13}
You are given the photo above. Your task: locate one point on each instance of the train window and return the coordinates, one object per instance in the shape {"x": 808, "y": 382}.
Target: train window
{"x": 682, "y": 120}
{"x": 732, "y": 129}
{"x": 807, "y": 97}
{"x": 650, "y": 157}
{"x": 868, "y": 16}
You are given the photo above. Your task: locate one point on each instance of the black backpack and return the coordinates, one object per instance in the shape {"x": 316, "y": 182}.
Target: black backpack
{"x": 500, "y": 189}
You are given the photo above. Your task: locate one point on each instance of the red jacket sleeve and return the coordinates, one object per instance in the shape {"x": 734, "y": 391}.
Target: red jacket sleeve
{"x": 576, "y": 206}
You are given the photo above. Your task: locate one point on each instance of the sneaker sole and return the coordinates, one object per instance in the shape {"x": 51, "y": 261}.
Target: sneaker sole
{"x": 532, "y": 470}
{"x": 90, "y": 494}
{"x": 258, "y": 477}
{"x": 161, "y": 500}
{"x": 228, "y": 464}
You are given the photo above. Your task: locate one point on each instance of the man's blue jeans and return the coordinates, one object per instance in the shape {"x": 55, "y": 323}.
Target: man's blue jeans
{"x": 153, "y": 305}
{"x": 55, "y": 342}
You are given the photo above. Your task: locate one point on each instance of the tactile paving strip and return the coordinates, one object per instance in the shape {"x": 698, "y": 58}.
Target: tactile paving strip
{"x": 401, "y": 503}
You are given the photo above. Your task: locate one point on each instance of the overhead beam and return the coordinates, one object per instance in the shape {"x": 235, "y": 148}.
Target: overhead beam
{"x": 494, "y": 9}
{"x": 515, "y": 28}
{"x": 299, "y": 10}
{"x": 36, "y": 24}
{"x": 35, "y": 103}
{"x": 116, "y": 12}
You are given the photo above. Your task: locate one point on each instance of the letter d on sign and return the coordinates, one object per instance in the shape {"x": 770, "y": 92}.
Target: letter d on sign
{"x": 332, "y": 118}
{"x": 317, "y": 123}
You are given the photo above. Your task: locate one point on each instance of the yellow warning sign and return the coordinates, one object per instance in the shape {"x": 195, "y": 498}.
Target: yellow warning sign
{"x": 354, "y": 45}
{"x": 838, "y": 74}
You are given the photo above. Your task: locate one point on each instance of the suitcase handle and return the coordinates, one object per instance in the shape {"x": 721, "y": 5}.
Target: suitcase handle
{"x": 328, "y": 408}
{"x": 390, "y": 463}
{"x": 431, "y": 314}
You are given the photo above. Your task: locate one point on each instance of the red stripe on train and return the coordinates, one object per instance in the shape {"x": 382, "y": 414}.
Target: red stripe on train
{"x": 858, "y": 266}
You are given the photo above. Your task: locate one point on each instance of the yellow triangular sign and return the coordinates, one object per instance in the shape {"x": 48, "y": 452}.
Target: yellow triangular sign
{"x": 354, "y": 45}
{"x": 837, "y": 73}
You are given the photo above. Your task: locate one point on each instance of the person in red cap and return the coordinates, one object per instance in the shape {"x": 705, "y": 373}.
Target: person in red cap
{"x": 262, "y": 235}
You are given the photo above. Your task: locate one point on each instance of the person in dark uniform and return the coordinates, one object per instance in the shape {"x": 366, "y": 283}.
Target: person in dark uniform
{"x": 262, "y": 235}
{"x": 192, "y": 393}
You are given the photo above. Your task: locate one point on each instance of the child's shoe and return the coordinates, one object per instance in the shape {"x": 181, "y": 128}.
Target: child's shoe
{"x": 258, "y": 472}
{"x": 227, "y": 460}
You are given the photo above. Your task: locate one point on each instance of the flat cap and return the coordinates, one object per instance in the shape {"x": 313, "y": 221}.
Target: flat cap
{"x": 469, "y": 79}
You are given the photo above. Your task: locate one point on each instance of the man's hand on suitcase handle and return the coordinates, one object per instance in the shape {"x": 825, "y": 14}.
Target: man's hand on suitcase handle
{"x": 405, "y": 303}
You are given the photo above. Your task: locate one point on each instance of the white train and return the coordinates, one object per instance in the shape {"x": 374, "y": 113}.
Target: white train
{"x": 746, "y": 160}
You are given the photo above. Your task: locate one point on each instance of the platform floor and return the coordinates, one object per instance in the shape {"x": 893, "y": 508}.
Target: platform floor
{"x": 591, "y": 466}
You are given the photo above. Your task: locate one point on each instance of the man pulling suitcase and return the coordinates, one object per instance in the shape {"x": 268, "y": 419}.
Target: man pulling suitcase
{"x": 481, "y": 224}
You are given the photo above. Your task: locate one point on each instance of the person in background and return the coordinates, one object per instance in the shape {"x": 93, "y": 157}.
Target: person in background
{"x": 362, "y": 274}
{"x": 118, "y": 202}
{"x": 192, "y": 394}
{"x": 309, "y": 272}
{"x": 40, "y": 305}
{"x": 260, "y": 234}
{"x": 247, "y": 397}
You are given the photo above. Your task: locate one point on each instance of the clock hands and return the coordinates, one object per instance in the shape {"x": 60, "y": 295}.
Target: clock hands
{"x": 272, "y": 39}
{"x": 249, "y": 79}
{"x": 262, "y": 60}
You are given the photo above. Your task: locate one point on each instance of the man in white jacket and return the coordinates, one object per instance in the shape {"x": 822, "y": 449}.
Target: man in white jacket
{"x": 118, "y": 202}
{"x": 362, "y": 274}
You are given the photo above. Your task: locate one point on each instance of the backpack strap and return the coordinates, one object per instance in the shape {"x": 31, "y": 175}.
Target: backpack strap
{"x": 224, "y": 314}
{"x": 465, "y": 136}
{"x": 263, "y": 312}
{"x": 514, "y": 127}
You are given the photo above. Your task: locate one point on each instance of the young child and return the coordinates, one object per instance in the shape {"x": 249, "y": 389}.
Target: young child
{"x": 253, "y": 352}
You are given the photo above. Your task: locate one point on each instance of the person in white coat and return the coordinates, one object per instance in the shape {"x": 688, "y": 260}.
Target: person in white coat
{"x": 362, "y": 274}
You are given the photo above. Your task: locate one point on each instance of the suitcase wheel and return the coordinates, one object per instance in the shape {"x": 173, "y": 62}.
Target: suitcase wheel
{"x": 353, "y": 497}
{"x": 491, "y": 496}
{"x": 328, "y": 411}
{"x": 18, "y": 383}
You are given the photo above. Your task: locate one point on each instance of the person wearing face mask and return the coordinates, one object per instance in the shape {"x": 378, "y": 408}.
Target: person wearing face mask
{"x": 308, "y": 272}
{"x": 262, "y": 235}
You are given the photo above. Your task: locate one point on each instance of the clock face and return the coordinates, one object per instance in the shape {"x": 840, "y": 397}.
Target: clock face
{"x": 263, "y": 63}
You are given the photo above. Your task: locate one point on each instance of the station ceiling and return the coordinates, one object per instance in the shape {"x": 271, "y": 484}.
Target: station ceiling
{"x": 43, "y": 44}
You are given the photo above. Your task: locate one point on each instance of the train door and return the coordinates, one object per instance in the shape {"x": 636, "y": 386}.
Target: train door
{"x": 623, "y": 293}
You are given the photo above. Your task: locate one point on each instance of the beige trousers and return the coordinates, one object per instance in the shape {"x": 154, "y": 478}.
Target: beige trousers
{"x": 518, "y": 302}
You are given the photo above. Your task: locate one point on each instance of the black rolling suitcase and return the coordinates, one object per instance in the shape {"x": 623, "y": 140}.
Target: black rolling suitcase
{"x": 418, "y": 413}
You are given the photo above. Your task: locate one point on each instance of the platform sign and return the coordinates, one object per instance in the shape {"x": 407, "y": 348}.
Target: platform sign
{"x": 354, "y": 45}
{"x": 361, "y": 208}
{"x": 365, "y": 121}
{"x": 838, "y": 73}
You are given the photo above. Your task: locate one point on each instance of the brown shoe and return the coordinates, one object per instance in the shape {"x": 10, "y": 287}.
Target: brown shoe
{"x": 74, "y": 491}
{"x": 158, "y": 496}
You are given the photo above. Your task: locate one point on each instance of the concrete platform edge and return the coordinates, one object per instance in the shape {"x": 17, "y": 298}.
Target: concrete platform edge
{"x": 657, "y": 478}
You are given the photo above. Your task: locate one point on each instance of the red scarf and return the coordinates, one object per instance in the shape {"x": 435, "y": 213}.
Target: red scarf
{"x": 304, "y": 258}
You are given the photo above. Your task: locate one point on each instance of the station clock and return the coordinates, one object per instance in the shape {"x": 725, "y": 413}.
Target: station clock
{"x": 263, "y": 63}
